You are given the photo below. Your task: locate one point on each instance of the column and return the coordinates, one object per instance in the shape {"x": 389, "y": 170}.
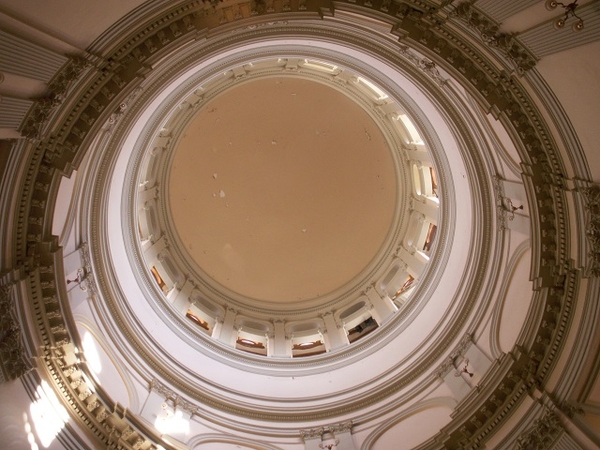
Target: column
{"x": 147, "y": 194}
{"x": 414, "y": 261}
{"x": 335, "y": 335}
{"x": 280, "y": 344}
{"x": 151, "y": 253}
{"x": 181, "y": 300}
{"x": 228, "y": 335}
{"x": 270, "y": 343}
{"x": 427, "y": 208}
{"x": 383, "y": 307}
{"x": 419, "y": 156}
{"x": 216, "y": 332}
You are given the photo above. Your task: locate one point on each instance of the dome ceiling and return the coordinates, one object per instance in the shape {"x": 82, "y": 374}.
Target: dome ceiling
{"x": 282, "y": 189}
{"x": 323, "y": 228}
{"x": 399, "y": 300}
{"x": 332, "y": 151}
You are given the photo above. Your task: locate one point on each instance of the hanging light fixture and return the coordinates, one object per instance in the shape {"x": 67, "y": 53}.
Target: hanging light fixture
{"x": 329, "y": 446}
{"x": 508, "y": 204}
{"x": 569, "y": 12}
{"x": 465, "y": 369}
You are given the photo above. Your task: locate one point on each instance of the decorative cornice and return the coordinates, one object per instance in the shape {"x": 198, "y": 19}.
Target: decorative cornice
{"x": 458, "y": 352}
{"x": 317, "y": 433}
{"x": 592, "y": 201}
{"x": 505, "y": 43}
{"x": 88, "y": 275}
{"x": 170, "y": 395}
{"x": 424, "y": 64}
{"x": 503, "y": 96}
{"x": 13, "y": 360}
{"x": 105, "y": 420}
{"x": 57, "y": 90}
{"x": 542, "y": 435}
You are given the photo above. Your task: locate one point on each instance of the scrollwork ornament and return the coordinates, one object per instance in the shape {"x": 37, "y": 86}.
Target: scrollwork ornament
{"x": 542, "y": 435}
{"x": 430, "y": 68}
{"x": 116, "y": 116}
{"x": 343, "y": 427}
{"x": 188, "y": 406}
{"x": 459, "y": 351}
{"x": 409, "y": 55}
{"x": 592, "y": 200}
{"x": 88, "y": 281}
{"x": 488, "y": 30}
{"x": 168, "y": 394}
{"x": 159, "y": 388}
{"x": 57, "y": 90}
{"x": 502, "y": 212}
{"x": 13, "y": 359}
{"x": 570, "y": 410}
{"x": 312, "y": 433}
{"x": 425, "y": 65}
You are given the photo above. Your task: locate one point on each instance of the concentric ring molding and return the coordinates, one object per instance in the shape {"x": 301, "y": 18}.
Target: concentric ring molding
{"x": 115, "y": 313}
{"x": 401, "y": 175}
{"x": 169, "y": 341}
{"x": 401, "y": 171}
{"x": 117, "y": 165}
{"x": 132, "y": 194}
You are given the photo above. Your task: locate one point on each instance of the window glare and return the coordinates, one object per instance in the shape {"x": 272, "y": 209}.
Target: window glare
{"x": 48, "y": 415}
{"x": 91, "y": 353}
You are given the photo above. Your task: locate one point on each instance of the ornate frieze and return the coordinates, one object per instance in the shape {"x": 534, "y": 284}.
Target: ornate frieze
{"x": 57, "y": 90}
{"x": 13, "y": 359}
{"x": 317, "y": 433}
{"x": 170, "y": 395}
{"x": 592, "y": 200}
{"x": 542, "y": 435}
{"x": 497, "y": 91}
{"x": 88, "y": 279}
{"x": 458, "y": 352}
{"x": 506, "y": 43}
{"x": 424, "y": 64}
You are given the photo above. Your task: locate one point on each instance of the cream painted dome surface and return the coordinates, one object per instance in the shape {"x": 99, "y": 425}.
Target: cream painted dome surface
{"x": 282, "y": 189}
